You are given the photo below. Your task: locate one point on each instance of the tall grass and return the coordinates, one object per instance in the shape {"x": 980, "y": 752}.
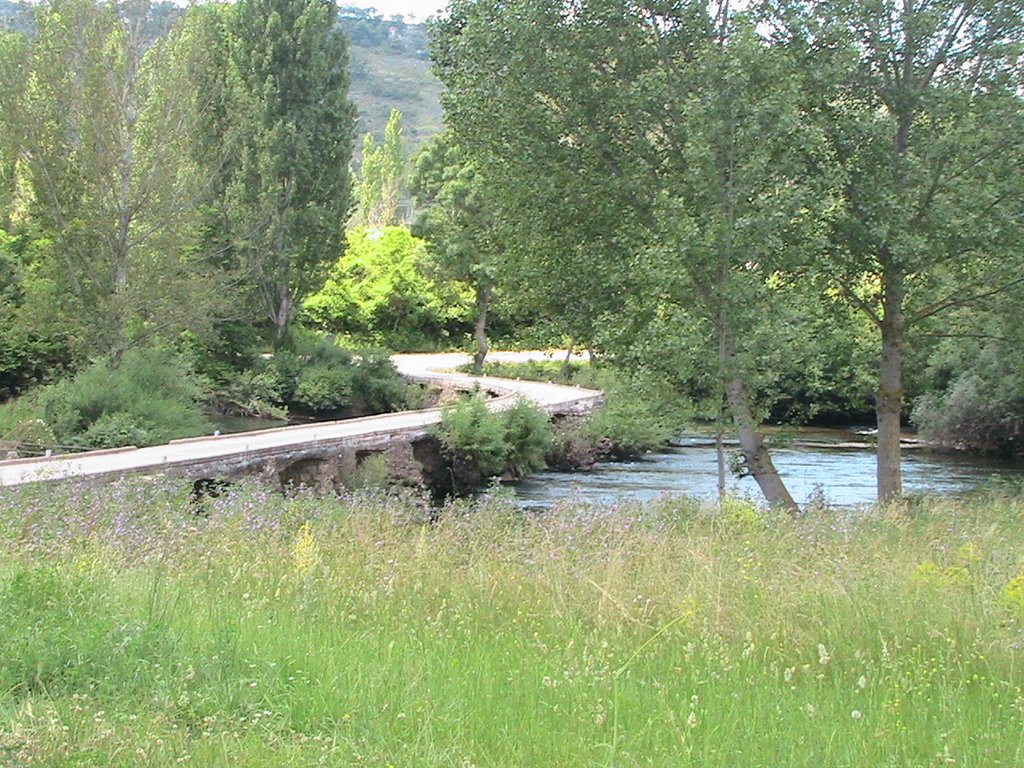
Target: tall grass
{"x": 301, "y": 631}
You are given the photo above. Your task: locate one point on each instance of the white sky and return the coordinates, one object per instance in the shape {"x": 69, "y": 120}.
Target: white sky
{"x": 413, "y": 10}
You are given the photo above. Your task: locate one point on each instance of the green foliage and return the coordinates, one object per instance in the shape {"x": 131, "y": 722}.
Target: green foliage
{"x": 528, "y": 437}
{"x": 149, "y": 396}
{"x": 376, "y": 385}
{"x": 107, "y": 174}
{"x": 469, "y": 429}
{"x": 323, "y": 388}
{"x": 291, "y": 192}
{"x": 372, "y": 472}
{"x": 639, "y": 414}
{"x": 380, "y": 177}
{"x": 316, "y": 376}
{"x": 539, "y": 370}
{"x": 379, "y": 293}
{"x": 514, "y": 440}
{"x": 967, "y": 415}
{"x": 112, "y": 430}
{"x": 975, "y": 379}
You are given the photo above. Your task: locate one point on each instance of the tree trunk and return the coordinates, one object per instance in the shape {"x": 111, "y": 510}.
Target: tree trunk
{"x": 483, "y": 303}
{"x": 756, "y": 458}
{"x": 567, "y": 363}
{"x": 889, "y": 401}
{"x": 281, "y": 316}
{"x": 720, "y": 458}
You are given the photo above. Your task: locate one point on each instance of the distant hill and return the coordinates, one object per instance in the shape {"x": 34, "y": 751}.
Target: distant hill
{"x": 389, "y": 63}
{"x": 391, "y": 70}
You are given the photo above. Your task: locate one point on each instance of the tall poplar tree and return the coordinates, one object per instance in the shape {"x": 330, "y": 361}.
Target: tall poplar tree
{"x": 289, "y": 194}
{"x": 104, "y": 132}
{"x": 14, "y": 57}
{"x": 380, "y": 177}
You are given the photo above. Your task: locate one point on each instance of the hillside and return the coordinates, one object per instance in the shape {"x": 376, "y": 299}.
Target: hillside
{"x": 384, "y": 79}
{"x": 391, "y": 70}
{"x": 390, "y": 67}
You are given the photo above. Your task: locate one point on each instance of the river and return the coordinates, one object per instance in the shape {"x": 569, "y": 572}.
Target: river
{"x": 825, "y": 462}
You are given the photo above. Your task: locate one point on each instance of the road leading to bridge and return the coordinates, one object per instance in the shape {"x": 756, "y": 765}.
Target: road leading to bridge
{"x": 203, "y": 456}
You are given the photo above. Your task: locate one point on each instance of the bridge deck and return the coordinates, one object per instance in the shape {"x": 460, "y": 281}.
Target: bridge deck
{"x": 234, "y": 451}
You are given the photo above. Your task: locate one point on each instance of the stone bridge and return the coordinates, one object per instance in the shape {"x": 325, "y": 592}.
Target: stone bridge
{"x": 321, "y": 454}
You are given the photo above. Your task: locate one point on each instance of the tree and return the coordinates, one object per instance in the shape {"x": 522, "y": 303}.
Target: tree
{"x": 461, "y": 223}
{"x": 669, "y": 141}
{"x": 380, "y": 178}
{"x": 14, "y": 58}
{"x": 104, "y": 146}
{"x": 378, "y": 293}
{"x": 292, "y": 133}
{"x": 922, "y": 101}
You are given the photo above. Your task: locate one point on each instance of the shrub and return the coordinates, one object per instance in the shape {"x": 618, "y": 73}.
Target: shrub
{"x": 149, "y": 396}
{"x": 639, "y": 414}
{"x": 970, "y": 415}
{"x": 468, "y": 430}
{"x": 113, "y": 430}
{"x": 379, "y": 293}
{"x": 376, "y": 385}
{"x": 528, "y": 437}
{"x": 634, "y": 416}
{"x": 481, "y": 443}
{"x": 324, "y": 388}
{"x": 320, "y": 377}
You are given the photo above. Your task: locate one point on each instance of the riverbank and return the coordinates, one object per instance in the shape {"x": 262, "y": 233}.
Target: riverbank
{"x": 347, "y": 631}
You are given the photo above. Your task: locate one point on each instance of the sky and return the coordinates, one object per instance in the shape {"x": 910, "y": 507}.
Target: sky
{"x": 413, "y": 10}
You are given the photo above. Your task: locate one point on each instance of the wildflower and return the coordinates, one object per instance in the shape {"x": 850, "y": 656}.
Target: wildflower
{"x": 823, "y": 655}
{"x": 306, "y": 551}
{"x": 862, "y": 682}
{"x": 691, "y": 721}
{"x": 856, "y": 714}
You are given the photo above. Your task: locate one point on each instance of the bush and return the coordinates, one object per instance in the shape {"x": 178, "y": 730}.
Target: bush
{"x": 468, "y": 430}
{"x": 638, "y": 414}
{"x": 481, "y": 443}
{"x": 528, "y": 437}
{"x": 113, "y": 430}
{"x": 969, "y": 415}
{"x": 320, "y": 378}
{"x": 376, "y": 385}
{"x": 324, "y": 388}
{"x": 379, "y": 293}
{"x": 147, "y": 397}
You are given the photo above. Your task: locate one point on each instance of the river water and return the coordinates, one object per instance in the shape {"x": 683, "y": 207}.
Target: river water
{"x": 834, "y": 464}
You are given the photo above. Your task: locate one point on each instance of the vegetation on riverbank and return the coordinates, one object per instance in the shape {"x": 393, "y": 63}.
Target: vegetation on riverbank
{"x": 150, "y": 395}
{"x": 346, "y": 631}
{"x": 638, "y": 415}
{"x": 478, "y": 443}
{"x": 714, "y": 228}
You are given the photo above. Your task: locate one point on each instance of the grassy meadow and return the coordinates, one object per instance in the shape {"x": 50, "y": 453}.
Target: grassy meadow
{"x": 272, "y": 631}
